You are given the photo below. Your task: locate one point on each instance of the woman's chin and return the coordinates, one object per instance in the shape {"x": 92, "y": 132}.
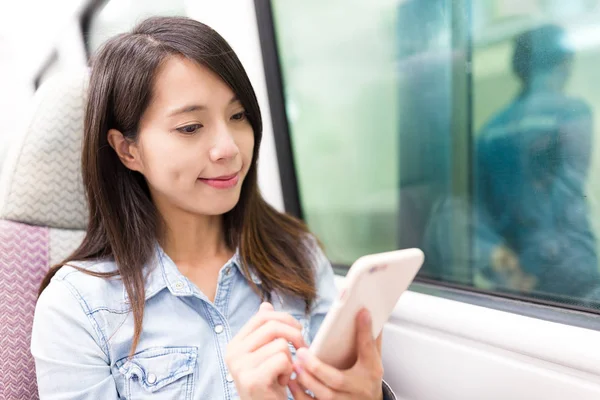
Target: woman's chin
{"x": 219, "y": 207}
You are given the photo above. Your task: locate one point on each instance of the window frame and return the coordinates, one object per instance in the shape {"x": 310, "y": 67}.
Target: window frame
{"x": 535, "y": 307}
{"x": 276, "y": 94}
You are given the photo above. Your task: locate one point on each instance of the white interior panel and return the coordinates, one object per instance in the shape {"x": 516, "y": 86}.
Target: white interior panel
{"x": 436, "y": 348}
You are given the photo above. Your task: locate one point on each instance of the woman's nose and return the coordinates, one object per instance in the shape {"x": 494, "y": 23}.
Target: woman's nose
{"x": 224, "y": 146}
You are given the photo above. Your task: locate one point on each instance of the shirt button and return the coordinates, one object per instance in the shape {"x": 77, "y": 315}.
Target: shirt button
{"x": 219, "y": 328}
{"x": 178, "y": 285}
{"x": 229, "y": 378}
{"x": 151, "y": 379}
{"x": 227, "y": 270}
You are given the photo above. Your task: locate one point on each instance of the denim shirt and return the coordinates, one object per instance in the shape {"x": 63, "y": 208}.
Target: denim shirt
{"x": 83, "y": 330}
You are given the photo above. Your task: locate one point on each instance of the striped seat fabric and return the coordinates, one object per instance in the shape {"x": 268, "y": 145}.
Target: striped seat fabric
{"x": 42, "y": 219}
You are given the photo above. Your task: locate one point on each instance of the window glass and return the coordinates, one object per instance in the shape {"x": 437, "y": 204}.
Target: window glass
{"x": 466, "y": 128}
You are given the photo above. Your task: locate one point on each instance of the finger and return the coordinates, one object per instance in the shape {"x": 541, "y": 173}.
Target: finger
{"x": 297, "y": 391}
{"x": 263, "y": 317}
{"x": 270, "y": 331}
{"x": 283, "y": 380}
{"x": 308, "y": 364}
{"x": 276, "y": 366}
{"x": 269, "y": 350}
{"x": 367, "y": 348}
{"x": 309, "y": 381}
{"x": 378, "y": 343}
{"x": 266, "y": 306}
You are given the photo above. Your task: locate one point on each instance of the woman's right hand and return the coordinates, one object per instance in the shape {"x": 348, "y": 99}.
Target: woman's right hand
{"x": 259, "y": 358}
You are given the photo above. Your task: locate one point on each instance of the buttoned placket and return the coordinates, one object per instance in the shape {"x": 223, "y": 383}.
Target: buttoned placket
{"x": 217, "y": 312}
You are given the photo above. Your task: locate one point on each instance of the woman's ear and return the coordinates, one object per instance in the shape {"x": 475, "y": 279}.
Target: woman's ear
{"x": 126, "y": 150}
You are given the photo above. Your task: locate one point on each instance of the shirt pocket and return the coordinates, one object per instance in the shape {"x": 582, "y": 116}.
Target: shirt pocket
{"x": 158, "y": 373}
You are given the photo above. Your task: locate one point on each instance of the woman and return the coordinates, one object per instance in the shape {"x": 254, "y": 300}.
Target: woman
{"x": 162, "y": 300}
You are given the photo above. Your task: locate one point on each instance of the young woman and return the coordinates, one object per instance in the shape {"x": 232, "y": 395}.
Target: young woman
{"x": 188, "y": 285}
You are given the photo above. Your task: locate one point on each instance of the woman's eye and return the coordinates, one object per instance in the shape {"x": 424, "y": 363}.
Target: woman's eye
{"x": 189, "y": 129}
{"x": 239, "y": 116}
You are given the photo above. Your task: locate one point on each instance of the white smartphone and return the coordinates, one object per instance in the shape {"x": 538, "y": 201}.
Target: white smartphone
{"x": 374, "y": 282}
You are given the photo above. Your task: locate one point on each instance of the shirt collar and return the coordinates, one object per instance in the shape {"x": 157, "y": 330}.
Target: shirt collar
{"x": 237, "y": 261}
{"x": 161, "y": 272}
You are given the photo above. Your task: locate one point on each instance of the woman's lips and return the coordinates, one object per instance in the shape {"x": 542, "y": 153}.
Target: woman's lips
{"x": 222, "y": 182}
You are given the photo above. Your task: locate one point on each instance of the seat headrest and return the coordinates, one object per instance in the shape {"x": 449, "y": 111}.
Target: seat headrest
{"x": 41, "y": 181}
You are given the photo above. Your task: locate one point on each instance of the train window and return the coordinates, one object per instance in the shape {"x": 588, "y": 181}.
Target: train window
{"x": 467, "y": 128}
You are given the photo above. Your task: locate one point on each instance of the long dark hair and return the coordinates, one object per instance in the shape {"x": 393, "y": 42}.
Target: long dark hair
{"x": 123, "y": 222}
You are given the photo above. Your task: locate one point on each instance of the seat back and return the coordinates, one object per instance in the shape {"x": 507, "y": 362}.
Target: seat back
{"x": 43, "y": 217}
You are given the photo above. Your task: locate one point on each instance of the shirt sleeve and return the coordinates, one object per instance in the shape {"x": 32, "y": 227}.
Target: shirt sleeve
{"x": 388, "y": 393}
{"x": 326, "y": 294}
{"x": 69, "y": 360}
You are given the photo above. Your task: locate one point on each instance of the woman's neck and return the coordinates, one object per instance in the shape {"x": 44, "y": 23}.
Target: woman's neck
{"x": 190, "y": 239}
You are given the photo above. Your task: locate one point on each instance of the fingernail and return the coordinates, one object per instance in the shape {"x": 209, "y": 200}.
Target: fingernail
{"x": 298, "y": 368}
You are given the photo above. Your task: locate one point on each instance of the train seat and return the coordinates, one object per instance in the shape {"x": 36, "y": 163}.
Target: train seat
{"x": 43, "y": 216}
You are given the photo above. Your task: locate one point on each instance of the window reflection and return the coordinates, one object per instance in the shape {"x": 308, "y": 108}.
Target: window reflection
{"x": 532, "y": 164}
{"x": 529, "y": 213}
{"x": 467, "y": 128}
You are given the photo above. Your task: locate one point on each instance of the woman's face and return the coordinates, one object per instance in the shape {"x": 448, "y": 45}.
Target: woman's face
{"x": 195, "y": 143}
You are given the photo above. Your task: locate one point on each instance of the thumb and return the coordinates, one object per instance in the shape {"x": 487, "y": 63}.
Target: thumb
{"x": 364, "y": 336}
{"x": 266, "y": 306}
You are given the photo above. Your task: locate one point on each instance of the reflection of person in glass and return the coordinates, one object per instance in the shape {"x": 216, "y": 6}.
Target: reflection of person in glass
{"x": 532, "y": 162}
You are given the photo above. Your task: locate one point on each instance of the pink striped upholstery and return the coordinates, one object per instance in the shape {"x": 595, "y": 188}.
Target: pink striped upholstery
{"x": 43, "y": 216}
{"x": 24, "y": 259}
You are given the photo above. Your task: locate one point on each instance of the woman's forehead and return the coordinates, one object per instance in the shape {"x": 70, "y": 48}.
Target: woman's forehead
{"x": 181, "y": 83}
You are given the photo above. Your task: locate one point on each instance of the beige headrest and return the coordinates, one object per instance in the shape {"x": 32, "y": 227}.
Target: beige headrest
{"x": 41, "y": 181}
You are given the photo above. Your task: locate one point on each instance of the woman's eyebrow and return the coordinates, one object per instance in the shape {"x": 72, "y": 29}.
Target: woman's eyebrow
{"x": 187, "y": 109}
{"x": 195, "y": 107}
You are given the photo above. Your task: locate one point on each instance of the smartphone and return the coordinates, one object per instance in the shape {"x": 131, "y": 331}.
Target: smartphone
{"x": 374, "y": 282}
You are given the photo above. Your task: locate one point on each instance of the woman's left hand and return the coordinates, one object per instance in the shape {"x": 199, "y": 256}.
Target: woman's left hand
{"x": 363, "y": 381}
